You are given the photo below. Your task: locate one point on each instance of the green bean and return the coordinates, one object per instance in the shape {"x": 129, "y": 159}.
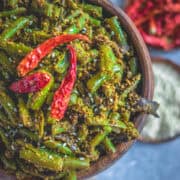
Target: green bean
{"x": 97, "y": 140}
{"x": 40, "y": 120}
{"x": 15, "y": 49}
{"x": 78, "y": 25}
{"x": 97, "y": 121}
{"x": 115, "y": 116}
{"x": 6, "y": 64}
{"x": 133, "y": 66}
{"x": 74, "y": 14}
{"x": 83, "y": 132}
{"x": 41, "y": 158}
{"x": 58, "y": 147}
{"x": 36, "y": 100}
{"x": 119, "y": 34}
{"x": 28, "y": 134}
{"x": 4, "y": 120}
{"x": 62, "y": 65}
{"x": 135, "y": 81}
{"x": 108, "y": 60}
{"x": 95, "y": 11}
{"x": 60, "y": 127}
{"x": 71, "y": 4}
{"x": 8, "y": 164}
{"x": 9, "y": 106}
{"x": 73, "y": 99}
{"x": 17, "y": 11}
{"x": 71, "y": 176}
{"x": 39, "y": 36}
{"x": 24, "y": 114}
{"x": 96, "y": 81}
{"x": 47, "y": 9}
{"x": 109, "y": 145}
{"x": 75, "y": 163}
{"x": 14, "y": 28}
{"x": 4, "y": 138}
{"x": 94, "y": 21}
{"x": 5, "y": 75}
{"x": 84, "y": 56}
{"x": 57, "y": 176}
{"x": 12, "y": 3}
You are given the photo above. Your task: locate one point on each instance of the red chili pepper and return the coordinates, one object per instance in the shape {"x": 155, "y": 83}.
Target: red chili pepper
{"x": 62, "y": 95}
{"x": 32, "y": 83}
{"x": 163, "y": 42}
{"x": 35, "y": 56}
{"x": 159, "y": 24}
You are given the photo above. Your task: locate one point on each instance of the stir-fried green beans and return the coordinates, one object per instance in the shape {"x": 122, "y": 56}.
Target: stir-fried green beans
{"x": 15, "y": 26}
{"x": 101, "y": 105}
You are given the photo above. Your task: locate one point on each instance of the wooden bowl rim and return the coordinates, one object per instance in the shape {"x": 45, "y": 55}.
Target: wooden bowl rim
{"x": 176, "y": 67}
{"x": 147, "y": 86}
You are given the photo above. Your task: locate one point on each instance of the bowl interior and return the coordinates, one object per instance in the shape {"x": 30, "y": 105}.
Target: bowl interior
{"x": 147, "y": 86}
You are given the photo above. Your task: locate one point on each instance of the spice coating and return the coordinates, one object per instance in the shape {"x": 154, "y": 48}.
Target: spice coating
{"x": 87, "y": 106}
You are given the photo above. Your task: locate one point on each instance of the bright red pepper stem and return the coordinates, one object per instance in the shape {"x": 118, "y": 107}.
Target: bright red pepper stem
{"x": 32, "y": 83}
{"x": 32, "y": 60}
{"x": 62, "y": 95}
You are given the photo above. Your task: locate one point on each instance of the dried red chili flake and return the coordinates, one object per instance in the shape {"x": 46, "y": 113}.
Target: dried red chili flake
{"x": 32, "y": 60}
{"x": 158, "y": 24}
{"x": 62, "y": 95}
{"x": 32, "y": 83}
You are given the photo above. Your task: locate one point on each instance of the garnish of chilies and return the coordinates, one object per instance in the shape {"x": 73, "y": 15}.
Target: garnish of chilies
{"x": 32, "y": 59}
{"x": 62, "y": 95}
{"x": 31, "y": 83}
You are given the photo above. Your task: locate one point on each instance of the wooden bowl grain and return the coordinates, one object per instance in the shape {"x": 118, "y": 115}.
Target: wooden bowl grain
{"x": 147, "y": 86}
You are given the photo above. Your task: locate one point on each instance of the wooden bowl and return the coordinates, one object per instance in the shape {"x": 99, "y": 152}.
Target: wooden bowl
{"x": 176, "y": 67}
{"x": 147, "y": 85}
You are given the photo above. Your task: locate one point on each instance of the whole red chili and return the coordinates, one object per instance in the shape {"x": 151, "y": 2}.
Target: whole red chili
{"x": 32, "y": 83}
{"x": 158, "y": 24}
{"x": 62, "y": 95}
{"x": 35, "y": 56}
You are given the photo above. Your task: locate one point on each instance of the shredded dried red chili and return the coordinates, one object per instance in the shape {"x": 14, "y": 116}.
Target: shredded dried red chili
{"x": 158, "y": 24}
{"x": 62, "y": 95}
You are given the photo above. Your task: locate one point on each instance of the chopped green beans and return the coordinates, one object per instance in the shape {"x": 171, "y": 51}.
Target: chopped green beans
{"x": 14, "y": 49}
{"x": 16, "y": 11}
{"x": 4, "y": 138}
{"x": 96, "y": 82}
{"x": 101, "y": 83}
{"x": 15, "y": 26}
{"x": 6, "y": 64}
{"x": 24, "y": 114}
{"x": 42, "y": 158}
{"x": 9, "y": 106}
{"x": 93, "y": 10}
{"x": 72, "y": 163}
{"x": 109, "y": 145}
{"x": 36, "y": 100}
{"x": 61, "y": 148}
{"x": 118, "y": 32}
